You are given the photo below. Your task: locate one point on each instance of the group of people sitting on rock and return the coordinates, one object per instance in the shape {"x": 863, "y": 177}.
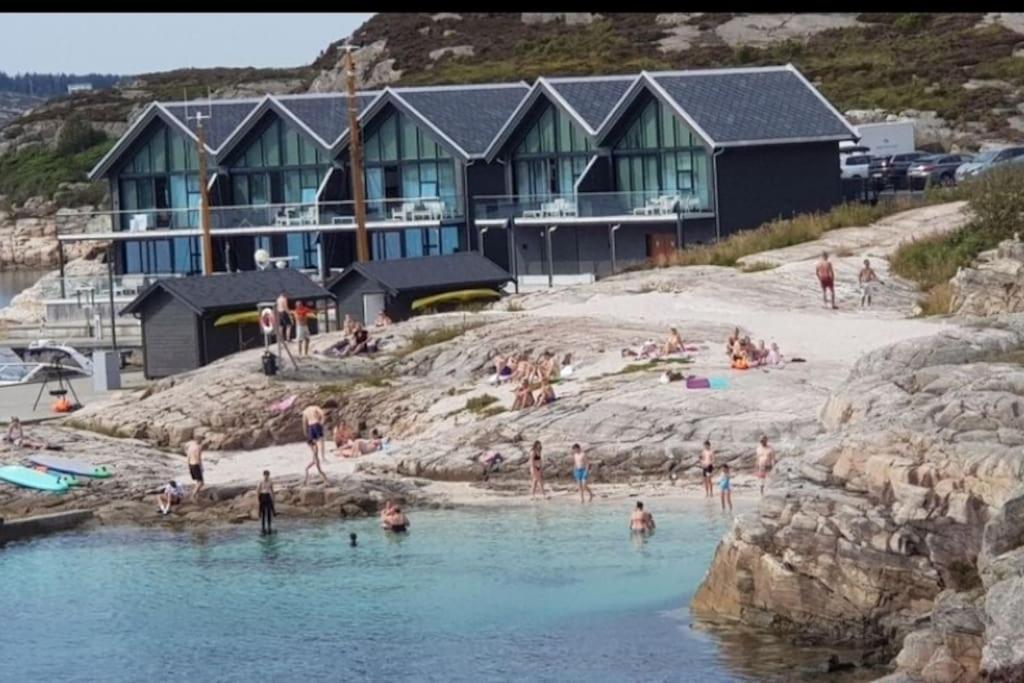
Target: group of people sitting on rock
{"x": 673, "y": 346}
{"x": 348, "y": 444}
{"x": 357, "y": 339}
{"x": 744, "y": 355}
{"x": 526, "y": 374}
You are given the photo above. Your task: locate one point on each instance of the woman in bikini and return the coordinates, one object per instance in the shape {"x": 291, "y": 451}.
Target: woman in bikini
{"x": 674, "y": 343}
{"x": 547, "y": 393}
{"x": 536, "y": 471}
{"x": 524, "y": 396}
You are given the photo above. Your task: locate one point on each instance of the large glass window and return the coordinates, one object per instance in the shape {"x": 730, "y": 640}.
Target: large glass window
{"x": 403, "y": 163}
{"x": 156, "y": 187}
{"x": 551, "y": 156}
{"x": 659, "y": 154}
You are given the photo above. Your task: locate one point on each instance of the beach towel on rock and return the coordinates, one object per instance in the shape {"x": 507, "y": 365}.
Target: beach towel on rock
{"x": 698, "y": 383}
{"x": 283, "y": 405}
{"x": 719, "y": 383}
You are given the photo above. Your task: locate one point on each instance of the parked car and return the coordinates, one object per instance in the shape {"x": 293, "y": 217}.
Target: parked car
{"x": 939, "y": 169}
{"x": 854, "y": 165}
{"x": 987, "y": 160}
{"x": 892, "y": 170}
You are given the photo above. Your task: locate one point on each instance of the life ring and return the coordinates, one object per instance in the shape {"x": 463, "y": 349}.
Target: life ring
{"x": 267, "y": 321}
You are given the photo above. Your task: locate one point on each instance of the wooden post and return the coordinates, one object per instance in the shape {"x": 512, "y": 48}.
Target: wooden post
{"x": 204, "y": 195}
{"x": 356, "y": 155}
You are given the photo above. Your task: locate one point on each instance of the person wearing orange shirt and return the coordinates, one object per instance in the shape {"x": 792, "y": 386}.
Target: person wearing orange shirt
{"x": 302, "y": 313}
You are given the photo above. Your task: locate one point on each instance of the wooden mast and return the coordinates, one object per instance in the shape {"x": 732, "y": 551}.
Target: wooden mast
{"x": 204, "y": 195}
{"x": 356, "y": 154}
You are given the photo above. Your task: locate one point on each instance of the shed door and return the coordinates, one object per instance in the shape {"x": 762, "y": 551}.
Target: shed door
{"x": 373, "y": 304}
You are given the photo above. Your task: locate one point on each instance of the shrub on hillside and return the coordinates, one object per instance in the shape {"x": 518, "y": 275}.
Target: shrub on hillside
{"x": 76, "y": 135}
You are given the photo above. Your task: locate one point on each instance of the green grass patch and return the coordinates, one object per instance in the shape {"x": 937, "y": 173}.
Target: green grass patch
{"x": 421, "y": 339}
{"x": 492, "y": 411}
{"x": 36, "y": 170}
{"x": 758, "y": 266}
{"x": 653, "y": 364}
{"x": 478, "y": 403}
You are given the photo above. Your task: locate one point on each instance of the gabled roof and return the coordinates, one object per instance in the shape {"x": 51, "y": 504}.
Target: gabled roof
{"x": 224, "y": 117}
{"x": 268, "y": 104}
{"x": 469, "y": 115}
{"x": 148, "y": 115}
{"x": 226, "y": 291}
{"x": 453, "y": 271}
{"x": 585, "y": 100}
{"x": 738, "y": 107}
{"x": 326, "y": 114}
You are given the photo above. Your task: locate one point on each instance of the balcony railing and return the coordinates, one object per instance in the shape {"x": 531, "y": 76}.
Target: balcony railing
{"x": 590, "y": 205}
{"x": 399, "y": 211}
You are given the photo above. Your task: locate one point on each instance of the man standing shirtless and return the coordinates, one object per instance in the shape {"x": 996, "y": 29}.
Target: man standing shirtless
{"x": 581, "y": 470}
{"x": 827, "y": 278}
{"x": 765, "y": 460}
{"x": 868, "y": 280}
{"x": 313, "y": 426}
{"x": 284, "y": 317}
{"x": 194, "y": 451}
{"x": 707, "y": 466}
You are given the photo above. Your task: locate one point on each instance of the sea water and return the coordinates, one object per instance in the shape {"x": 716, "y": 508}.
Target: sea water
{"x": 554, "y": 592}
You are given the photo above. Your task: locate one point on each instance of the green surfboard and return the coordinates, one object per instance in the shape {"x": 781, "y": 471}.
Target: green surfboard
{"x": 33, "y": 479}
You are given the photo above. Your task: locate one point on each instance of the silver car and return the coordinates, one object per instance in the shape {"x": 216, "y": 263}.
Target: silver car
{"x": 937, "y": 169}
{"x": 987, "y": 160}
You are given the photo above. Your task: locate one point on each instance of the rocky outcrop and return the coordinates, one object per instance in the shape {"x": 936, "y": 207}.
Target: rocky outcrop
{"x": 28, "y": 307}
{"x": 374, "y": 69}
{"x": 994, "y": 286}
{"x": 28, "y": 235}
{"x": 898, "y": 525}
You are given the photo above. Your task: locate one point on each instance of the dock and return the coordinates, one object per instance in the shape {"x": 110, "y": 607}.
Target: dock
{"x": 39, "y": 525}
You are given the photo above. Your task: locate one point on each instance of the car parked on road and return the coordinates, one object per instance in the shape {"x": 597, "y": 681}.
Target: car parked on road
{"x": 854, "y": 166}
{"x": 987, "y": 160}
{"x": 938, "y": 169}
{"x": 892, "y": 170}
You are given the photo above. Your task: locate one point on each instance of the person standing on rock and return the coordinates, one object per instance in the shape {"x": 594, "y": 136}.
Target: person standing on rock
{"x": 284, "y": 316}
{"x": 869, "y": 281}
{"x": 194, "y": 452}
{"x": 827, "y": 278}
{"x": 313, "y": 426}
{"x": 707, "y": 466}
{"x": 765, "y": 460}
{"x": 581, "y": 471}
{"x": 536, "y": 471}
{"x": 302, "y": 313}
{"x": 265, "y": 494}
{"x": 725, "y": 484}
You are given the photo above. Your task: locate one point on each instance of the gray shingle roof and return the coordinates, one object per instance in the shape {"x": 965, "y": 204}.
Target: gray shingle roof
{"x": 225, "y": 291}
{"x": 453, "y": 271}
{"x": 592, "y": 98}
{"x": 740, "y": 106}
{"x": 471, "y": 117}
{"x": 225, "y": 116}
{"x": 327, "y": 116}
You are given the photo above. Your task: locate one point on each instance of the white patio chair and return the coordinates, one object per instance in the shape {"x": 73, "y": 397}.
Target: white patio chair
{"x": 405, "y": 213}
{"x": 435, "y": 209}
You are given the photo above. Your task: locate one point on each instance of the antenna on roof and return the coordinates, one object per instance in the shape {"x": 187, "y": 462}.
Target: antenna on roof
{"x": 184, "y": 94}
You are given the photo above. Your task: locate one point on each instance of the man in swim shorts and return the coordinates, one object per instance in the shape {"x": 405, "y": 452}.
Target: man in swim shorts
{"x": 869, "y": 281}
{"x": 581, "y": 471}
{"x": 284, "y": 316}
{"x": 313, "y": 426}
{"x": 827, "y": 278}
{"x": 302, "y": 314}
{"x": 707, "y": 466}
{"x": 765, "y": 460}
{"x": 194, "y": 451}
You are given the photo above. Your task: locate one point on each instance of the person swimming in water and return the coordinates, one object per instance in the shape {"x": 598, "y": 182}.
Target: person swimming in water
{"x": 396, "y": 521}
{"x": 641, "y": 521}
{"x": 352, "y": 539}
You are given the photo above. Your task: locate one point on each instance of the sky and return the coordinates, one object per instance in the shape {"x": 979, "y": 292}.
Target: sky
{"x": 141, "y": 43}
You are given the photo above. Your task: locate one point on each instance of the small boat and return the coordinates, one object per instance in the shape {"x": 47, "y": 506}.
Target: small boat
{"x": 71, "y": 466}
{"x": 49, "y": 351}
{"x": 454, "y": 299}
{"x": 33, "y": 479}
{"x": 12, "y": 374}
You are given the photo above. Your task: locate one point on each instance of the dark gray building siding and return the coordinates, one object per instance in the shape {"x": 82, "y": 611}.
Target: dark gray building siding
{"x": 350, "y": 297}
{"x": 482, "y": 180}
{"x": 759, "y": 184}
{"x": 218, "y": 342}
{"x": 170, "y": 337}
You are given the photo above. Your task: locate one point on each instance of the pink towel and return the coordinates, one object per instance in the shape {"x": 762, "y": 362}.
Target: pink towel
{"x": 283, "y": 405}
{"x": 698, "y": 383}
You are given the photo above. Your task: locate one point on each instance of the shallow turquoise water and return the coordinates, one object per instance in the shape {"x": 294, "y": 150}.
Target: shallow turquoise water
{"x": 552, "y": 593}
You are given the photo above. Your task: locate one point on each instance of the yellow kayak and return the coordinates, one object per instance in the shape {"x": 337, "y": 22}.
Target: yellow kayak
{"x": 241, "y": 318}
{"x": 462, "y": 296}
